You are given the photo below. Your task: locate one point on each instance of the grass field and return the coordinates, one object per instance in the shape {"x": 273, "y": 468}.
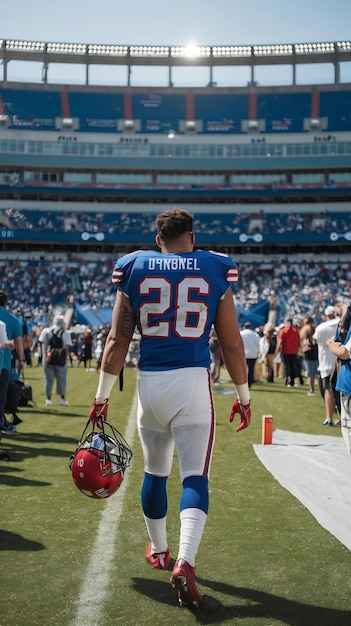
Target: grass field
{"x": 68, "y": 560}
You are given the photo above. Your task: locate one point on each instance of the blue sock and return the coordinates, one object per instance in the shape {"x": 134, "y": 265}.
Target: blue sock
{"x": 195, "y": 494}
{"x": 154, "y": 496}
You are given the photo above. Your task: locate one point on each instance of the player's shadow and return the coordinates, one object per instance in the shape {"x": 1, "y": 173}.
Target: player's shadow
{"x": 12, "y": 541}
{"x": 248, "y": 604}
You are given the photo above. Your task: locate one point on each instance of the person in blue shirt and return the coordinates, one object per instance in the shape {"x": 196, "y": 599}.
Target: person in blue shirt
{"x": 14, "y": 331}
{"x": 174, "y": 295}
{"x": 4, "y": 343}
{"x": 340, "y": 346}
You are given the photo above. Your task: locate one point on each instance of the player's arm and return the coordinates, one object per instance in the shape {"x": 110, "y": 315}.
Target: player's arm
{"x": 338, "y": 349}
{"x": 278, "y": 346}
{"x": 5, "y": 342}
{"x": 115, "y": 351}
{"x": 232, "y": 347}
{"x": 119, "y": 337}
{"x": 18, "y": 341}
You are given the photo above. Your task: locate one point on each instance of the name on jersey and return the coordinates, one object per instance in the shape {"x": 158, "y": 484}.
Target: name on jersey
{"x": 176, "y": 263}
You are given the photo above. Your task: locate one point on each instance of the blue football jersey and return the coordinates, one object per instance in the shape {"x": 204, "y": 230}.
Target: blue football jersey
{"x": 174, "y": 298}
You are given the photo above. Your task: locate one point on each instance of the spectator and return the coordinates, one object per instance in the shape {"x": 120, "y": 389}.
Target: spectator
{"x": 27, "y": 337}
{"x": 251, "y": 341}
{"x": 300, "y": 362}
{"x": 36, "y": 344}
{"x": 86, "y": 349}
{"x": 100, "y": 345}
{"x": 288, "y": 343}
{"x": 4, "y": 343}
{"x": 13, "y": 331}
{"x": 58, "y": 372}
{"x": 216, "y": 356}
{"x": 133, "y": 354}
{"x": 27, "y": 343}
{"x": 310, "y": 352}
{"x": 340, "y": 346}
{"x": 327, "y": 365}
{"x": 268, "y": 345}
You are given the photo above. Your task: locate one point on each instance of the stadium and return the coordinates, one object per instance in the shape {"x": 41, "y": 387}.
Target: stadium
{"x": 266, "y": 171}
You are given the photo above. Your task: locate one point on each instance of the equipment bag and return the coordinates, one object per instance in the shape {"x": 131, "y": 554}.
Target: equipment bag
{"x": 13, "y": 398}
{"x": 26, "y": 394}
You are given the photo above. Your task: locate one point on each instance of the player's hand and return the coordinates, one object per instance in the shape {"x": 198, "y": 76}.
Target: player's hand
{"x": 98, "y": 413}
{"x": 244, "y": 411}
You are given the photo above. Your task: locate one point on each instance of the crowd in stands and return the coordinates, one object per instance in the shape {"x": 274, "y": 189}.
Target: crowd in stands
{"x": 301, "y": 288}
{"x": 144, "y": 223}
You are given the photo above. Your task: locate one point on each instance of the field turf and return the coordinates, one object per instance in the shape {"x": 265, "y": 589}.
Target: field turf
{"x": 67, "y": 560}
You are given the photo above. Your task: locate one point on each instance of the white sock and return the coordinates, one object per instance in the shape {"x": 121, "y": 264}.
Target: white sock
{"x": 192, "y": 524}
{"x": 157, "y": 533}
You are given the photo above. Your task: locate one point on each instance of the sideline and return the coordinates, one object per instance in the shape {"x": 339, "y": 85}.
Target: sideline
{"x": 316, "y": 470}
{"x": 94, "y": 589}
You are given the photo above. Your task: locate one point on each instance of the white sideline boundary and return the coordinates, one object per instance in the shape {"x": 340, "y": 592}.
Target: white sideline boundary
{"x": 316, "y": 470}
{"x": 94, "y": 588}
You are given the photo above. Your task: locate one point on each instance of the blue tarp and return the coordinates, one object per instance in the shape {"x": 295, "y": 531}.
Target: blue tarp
{"x": 91, "y": 316}
{"x": 257, "y": 314}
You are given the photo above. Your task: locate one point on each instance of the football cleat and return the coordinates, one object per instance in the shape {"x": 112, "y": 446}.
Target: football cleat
{"x": 183, "y": 580}
{"x": 158, "y": 560}
{"x": 99, "y": 462}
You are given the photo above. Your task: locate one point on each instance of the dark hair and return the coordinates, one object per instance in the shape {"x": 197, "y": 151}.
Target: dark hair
{"x": 344, "y": 325}
{"x": 174, "y": 223}
{"x": 3, "y": 298}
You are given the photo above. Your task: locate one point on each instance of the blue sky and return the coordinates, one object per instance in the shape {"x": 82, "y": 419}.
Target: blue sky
{"x": 202, "y": 22}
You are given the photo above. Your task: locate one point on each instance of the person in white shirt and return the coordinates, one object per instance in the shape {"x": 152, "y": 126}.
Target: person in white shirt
{"x": 327, "y": 366}
{"x": 251, "y": 341}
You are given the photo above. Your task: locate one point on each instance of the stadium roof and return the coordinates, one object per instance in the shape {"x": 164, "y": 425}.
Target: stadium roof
{"x": 175, "y": 56}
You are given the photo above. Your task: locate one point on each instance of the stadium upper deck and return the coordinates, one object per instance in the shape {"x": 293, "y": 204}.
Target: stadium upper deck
{"x": 151, "y": 147}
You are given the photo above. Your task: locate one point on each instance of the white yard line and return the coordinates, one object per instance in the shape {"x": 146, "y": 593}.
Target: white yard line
{"x": 95, "y": 587}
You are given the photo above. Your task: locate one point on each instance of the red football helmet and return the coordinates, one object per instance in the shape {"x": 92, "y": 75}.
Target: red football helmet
{"x": 99, "y": 462}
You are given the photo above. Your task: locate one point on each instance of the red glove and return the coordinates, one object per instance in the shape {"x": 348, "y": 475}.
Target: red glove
{"x": 244, "y": 411}
{"x": 98, "y": 413}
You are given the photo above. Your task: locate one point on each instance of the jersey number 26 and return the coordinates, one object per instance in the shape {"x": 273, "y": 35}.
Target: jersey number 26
{"x": 183, "y": 307}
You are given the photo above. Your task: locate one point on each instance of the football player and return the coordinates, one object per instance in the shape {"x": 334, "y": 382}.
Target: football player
{"x": 174, "y": 295}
